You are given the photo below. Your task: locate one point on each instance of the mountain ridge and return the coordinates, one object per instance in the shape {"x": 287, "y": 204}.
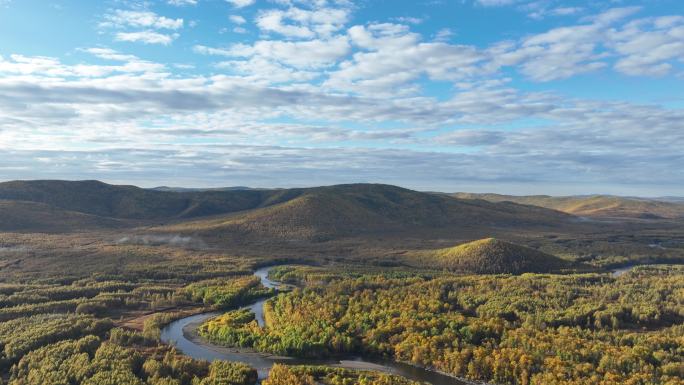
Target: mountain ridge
{"x": 322, "y": 212}
{"x": 317, "y": 213}
{"x": 596, "y": 206}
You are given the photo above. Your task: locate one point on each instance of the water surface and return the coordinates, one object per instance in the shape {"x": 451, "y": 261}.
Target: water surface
{"x": 182, "y": 334}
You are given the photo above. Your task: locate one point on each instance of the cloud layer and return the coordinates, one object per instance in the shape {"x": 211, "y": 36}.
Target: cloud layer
{"x": 318, "y": 97}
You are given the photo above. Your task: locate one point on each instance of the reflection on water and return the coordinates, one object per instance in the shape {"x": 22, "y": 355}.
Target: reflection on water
{"x": 176, "y": 332}
{"x": 263, "y": 276}
{"x": 621, "y": 271}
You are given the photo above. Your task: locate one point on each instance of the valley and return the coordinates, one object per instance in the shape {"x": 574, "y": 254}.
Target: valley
{"x": 384, "y": 285}
{"x": 341, "y": 192}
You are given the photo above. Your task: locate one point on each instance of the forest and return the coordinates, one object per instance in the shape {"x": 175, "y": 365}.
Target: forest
{"x": 95, "y": 317}
{"x": 74, "y": 324}
{"x": 529, "y": 329}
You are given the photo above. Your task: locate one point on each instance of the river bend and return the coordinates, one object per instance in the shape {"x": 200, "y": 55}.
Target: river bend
{"x": 183, "y": 334}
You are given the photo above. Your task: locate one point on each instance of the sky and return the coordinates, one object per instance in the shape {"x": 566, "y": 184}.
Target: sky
{"x": 508, "y": 96}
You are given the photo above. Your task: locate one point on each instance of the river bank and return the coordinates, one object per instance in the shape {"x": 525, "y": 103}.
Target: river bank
{"x": 183, "y": 334}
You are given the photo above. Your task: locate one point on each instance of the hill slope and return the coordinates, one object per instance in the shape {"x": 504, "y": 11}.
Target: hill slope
{"x": 37, "y": 217}
{"x": 598, "y": 206}
{"x": 318, "y": 213}
{"x": 101, "y": 199}
{"x": 489, "y": 256}
{"x": 343, "y": 210}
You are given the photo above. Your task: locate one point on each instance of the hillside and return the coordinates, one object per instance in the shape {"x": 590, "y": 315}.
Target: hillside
{"x": 38, "y": 217}
{"x": 343, "y": 210}
{"x": 319, "y": 213}
{"x": 597, "y": 206}
{"x": 130, "y": 202}
{"x": 488, "y": 256}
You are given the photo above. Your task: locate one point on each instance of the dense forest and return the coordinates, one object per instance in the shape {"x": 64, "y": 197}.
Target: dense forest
{"x": 75, "y": 324}
{"x": 529, "y": 329}
{"x": 97, "y": 316}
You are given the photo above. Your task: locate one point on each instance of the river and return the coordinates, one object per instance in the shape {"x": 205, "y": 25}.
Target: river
{"x": 183, "y": 334}
{"x": 622, "y": 271}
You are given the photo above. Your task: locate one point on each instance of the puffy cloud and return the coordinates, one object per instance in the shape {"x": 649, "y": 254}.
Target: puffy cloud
{"x": 296, "y": 22}
{"x": 355, "y": 105}
{"x": 241, "y": 3}
{"x": 266, "y": 72}
{"x": 301, "y": 54}
{"x": 147, "y": 37}
{"x": 649, "y": 46}
{"x": 110, "y": 54}
{"x": 140, "y": 19}
{"x": 562, "y": 52}
{"x": 391, "y": 57}
{"x": 129, "y": 22}
{"x": 584, "y": 140}
{"x": 47, "y": 67}
{"x": 541, "y": 10}
{"x": 237, "y": 19}
{"x": 444, "y": 34}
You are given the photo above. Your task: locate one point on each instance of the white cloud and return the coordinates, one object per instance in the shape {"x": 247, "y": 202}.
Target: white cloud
{"x": 297, "y": 22}
{"x": 649, "y": 46}
{"x": 444, "y": 34}
{"x": 241, "y": 3}
{"x": 565, "y": 11}
{"x": 540, "y": 10}
{"x": 392, "y": 57}
{"x": 301, "y": 54}
{"x": 237, "y": 19}
{"x": 409, "y": 19}
{"x": 613, "y": 15}
{"x": 561, "y": 52}
{"x": 495, "y": 3}
{"x": 52, "y": 67}
{"x": 180, "y": 3}
{"x": 109, "y": 54}
{"x": 140, "y": 19}
{"x": 129, "y": 24}
{"x": 147, "y": 37}
{"x": 266, "y": 72}
{"x": 136, "y": 116}
{"x": 134, "y": 125}
{"x": 389, "y": 58}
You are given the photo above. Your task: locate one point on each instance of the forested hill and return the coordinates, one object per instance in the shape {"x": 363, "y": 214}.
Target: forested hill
{"x": 301, "y": 213}
{"x": 130, "y": 202}
{"x": 39, "y": 217}
{"x": 597, "y": 206}
{"x": 488, "y": 256}
{"x": 328, "y": 212}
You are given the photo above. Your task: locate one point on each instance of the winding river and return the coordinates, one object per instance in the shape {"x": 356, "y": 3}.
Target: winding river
{"x": 183, "y": 334}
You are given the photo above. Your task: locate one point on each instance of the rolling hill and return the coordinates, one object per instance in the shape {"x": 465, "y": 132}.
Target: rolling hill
{"x": 355, "y": 209}
{"x": 488, "y": 256}
{"x": 38, "y": 217}
{"x": 309, "y": 214}
{"x": 596, "y": 206}
{"x": 130, "y": 202}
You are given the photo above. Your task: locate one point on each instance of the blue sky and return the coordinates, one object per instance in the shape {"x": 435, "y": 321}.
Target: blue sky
{"x": 511, "y": 96}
